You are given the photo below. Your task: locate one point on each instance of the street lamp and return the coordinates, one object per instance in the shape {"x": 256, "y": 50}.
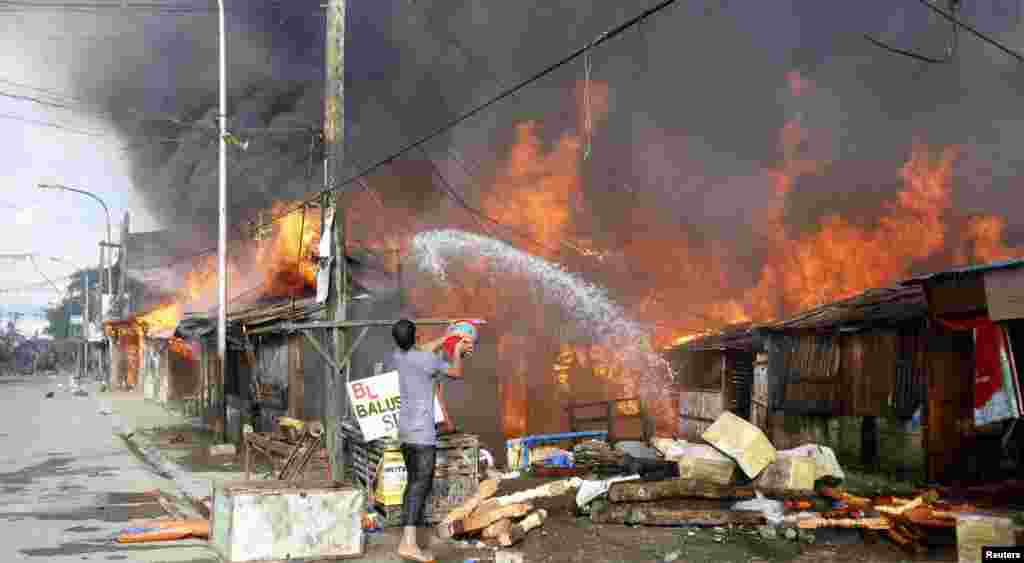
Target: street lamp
{"x": 85, "y": 312}
{"x": 109, "y": 267}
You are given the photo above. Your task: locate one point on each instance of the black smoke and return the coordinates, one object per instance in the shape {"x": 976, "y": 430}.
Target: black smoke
{"x": 698, "y": 94}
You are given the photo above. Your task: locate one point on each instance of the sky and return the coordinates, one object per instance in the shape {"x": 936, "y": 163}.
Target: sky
{"x": 698, "y": 96}
{"x": 54, "y": 224}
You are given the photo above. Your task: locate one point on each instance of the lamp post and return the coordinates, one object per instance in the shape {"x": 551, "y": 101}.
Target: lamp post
{"x": 108, "y": 265}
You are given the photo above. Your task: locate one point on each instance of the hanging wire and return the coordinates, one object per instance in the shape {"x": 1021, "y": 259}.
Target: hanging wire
{"x": 951, "y": 47}
{"x": 588, "y": 125}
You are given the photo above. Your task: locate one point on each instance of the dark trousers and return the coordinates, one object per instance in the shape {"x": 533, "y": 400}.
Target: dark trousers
{"x": 419, "y": 470}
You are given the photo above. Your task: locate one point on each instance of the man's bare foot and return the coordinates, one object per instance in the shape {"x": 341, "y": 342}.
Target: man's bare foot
{"x": 414, "y": 553}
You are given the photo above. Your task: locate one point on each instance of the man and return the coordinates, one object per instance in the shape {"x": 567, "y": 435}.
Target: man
{"x": 417, "y": 370}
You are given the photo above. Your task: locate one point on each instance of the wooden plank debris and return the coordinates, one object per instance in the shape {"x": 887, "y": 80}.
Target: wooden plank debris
{"x": 485, "y": 516}
{"x": 516, "y": 532}
{"x": 487, "y": 489}
{"x": 658, "y": 514}
{"x": 553, "y": 489}
{"x": 630, "y": 491}
{"x": 497, "y": 529}
{"x": 861, "y": 523}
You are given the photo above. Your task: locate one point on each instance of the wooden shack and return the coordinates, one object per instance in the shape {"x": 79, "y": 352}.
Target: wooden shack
{"x": 714, "y": 374}
{"x": 973, "y": 414}
{"x": 851, "y": 375}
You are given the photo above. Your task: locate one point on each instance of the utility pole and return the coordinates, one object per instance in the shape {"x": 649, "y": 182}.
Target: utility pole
{"x": 85, "y": 323}
{"x": 334, "y": 393}
{"x": 222, "y": 207}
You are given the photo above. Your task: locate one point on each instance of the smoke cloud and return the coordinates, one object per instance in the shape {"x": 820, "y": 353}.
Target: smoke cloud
{"x": 680, "y": 168}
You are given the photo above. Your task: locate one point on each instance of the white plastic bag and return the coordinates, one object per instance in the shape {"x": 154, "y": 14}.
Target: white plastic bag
{"x": 772, "y": 509}
{"x": 590, "y": 490}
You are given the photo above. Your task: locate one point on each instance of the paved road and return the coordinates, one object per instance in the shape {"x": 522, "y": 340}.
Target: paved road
{"x": 68, "y": 485}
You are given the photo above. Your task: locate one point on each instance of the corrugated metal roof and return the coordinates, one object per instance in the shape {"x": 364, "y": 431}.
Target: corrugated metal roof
{"x": 967, "y": 270}
{"x": 738, "y": 337}
{"x": 874, "y": 306}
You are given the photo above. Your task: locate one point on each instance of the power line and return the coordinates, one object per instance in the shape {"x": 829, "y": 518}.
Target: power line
{"x": 973, "y": 31}
{"x": 604, "y": 37}
{"x": 51, "y": 124}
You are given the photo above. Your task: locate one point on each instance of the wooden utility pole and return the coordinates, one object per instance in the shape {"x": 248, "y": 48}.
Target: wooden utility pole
{"x": 334, "y": 393}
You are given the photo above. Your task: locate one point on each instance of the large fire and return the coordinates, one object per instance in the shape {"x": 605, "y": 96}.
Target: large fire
{"x": 281, "y": 265}
{"x": 666, "y": 278}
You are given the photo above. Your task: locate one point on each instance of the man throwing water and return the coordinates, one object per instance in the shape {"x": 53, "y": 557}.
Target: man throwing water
{"x": 418, "y": 369}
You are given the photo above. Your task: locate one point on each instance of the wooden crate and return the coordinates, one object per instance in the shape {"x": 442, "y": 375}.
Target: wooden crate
{"x": 456, "y": 472}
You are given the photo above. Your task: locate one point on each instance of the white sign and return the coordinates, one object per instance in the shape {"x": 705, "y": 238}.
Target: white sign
{"x": 376, "y": 402}
{"x": 107, "y": 300}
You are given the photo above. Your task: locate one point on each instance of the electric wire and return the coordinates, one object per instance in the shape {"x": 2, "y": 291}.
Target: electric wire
{"x": 972, "y": 30}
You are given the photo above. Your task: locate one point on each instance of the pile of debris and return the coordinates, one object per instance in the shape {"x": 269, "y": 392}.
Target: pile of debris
{"x": 501, "y": 521}
{"x": 738, "y": 478}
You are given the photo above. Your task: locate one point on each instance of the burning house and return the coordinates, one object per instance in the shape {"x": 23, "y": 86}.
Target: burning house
{"x": 973, "y": 412}
{"x": 917, "y": 381}
{"x": 851, "y": 374}
{"x": 714, "y": 374}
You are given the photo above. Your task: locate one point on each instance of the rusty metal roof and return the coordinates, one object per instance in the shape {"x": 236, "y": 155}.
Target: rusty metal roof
{"x": 875, "y": 306}
{"x": 738, "y": 337}
{"x": 967, "y": 271}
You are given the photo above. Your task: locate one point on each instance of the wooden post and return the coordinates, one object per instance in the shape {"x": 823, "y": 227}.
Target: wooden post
{"x": 869, "y": 441}
{"x": 337, "y": 296}
{"x": 296, "y": 378}
{"x": 611, "y": 421}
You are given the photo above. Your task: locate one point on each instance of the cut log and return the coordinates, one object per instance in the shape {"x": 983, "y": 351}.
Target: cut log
{"x": 787, "y": 494}
{"x": 496, "y": 529}
{"x": 483, "y": 517}
{"x": 651, "y": 514}
{"x": 928, "y": 518}
{"x": 900, "y": 510}
{"x": 630, "y": 491}
{"x": 862, "y": 523}
{"x": 554, "y": 489}
{"x": 518, "y": 531}
{"x": 836, "y": 494}
{"x": 485, "y": 491}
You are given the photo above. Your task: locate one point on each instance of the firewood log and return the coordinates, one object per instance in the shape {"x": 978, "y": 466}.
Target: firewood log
{"x": 630, "y": 491}
{"x": 553, "y": 489}
{"x": 655, "y": 514}
{"x": 518, "y": 531}
{"x": 485, "y": 491}
{"x": 496, "y": 529}
{"x": 899, "y": 510}
{"x": 869, "y": 523}
{"x": 483, "y": 517}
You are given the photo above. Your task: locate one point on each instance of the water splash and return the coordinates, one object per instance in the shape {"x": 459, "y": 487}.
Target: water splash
{"x": 587, "y": 304}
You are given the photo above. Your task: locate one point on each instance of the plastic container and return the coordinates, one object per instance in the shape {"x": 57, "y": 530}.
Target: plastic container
{"x": 458, "y": 331}
{"x": 391, "y": 478}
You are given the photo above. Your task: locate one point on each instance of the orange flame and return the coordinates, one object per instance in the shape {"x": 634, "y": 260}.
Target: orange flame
{"x": 181, "y": 348}
{"x": 163, "y": 317}
{"x": 283, "y": 265}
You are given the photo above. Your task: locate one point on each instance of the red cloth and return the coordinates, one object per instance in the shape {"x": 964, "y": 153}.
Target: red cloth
{"x": 989, "y": 343}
